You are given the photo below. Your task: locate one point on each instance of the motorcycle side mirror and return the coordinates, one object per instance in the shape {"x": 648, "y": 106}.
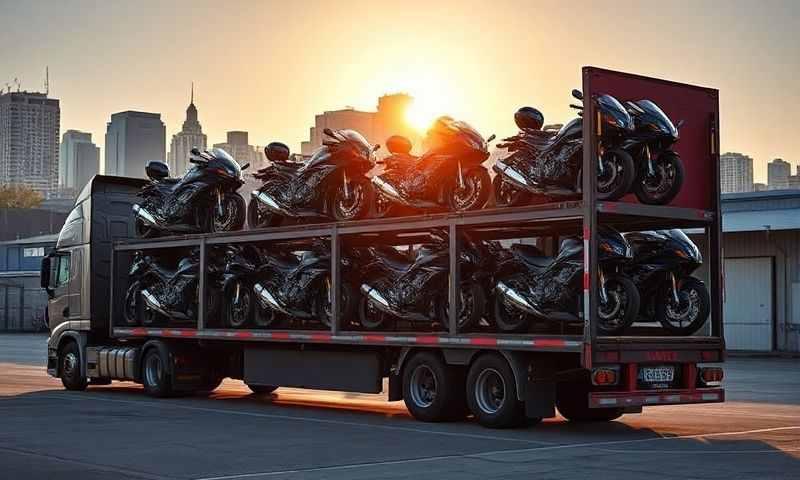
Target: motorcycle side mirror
{"x": 679, "y": 124}
{"x": 375, "y": 148}
{"x": 577, "y": 94}
{"x": 491, "y": 137}
{"x": 195, "y": 151}
{"x": 245, "y": 166}
{"x": 44, "y": 273}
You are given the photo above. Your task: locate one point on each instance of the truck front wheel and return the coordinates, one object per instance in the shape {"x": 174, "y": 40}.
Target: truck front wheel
{"x": 432, "y": 390}
{"x": 492, "y": 393}
{"x": 70, "y": 367}
{"x": 156, "y": 375}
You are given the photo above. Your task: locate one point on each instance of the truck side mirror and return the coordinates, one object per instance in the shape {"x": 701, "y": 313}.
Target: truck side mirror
{"x": 44, "y": 273}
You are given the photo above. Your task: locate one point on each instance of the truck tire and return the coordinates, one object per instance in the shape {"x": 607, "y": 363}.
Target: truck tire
{"x": 156, "y": 372}
{"x": 492, "y": 393}
{"x": 69, "y": 361}
{"x": 572, "y": 401}
{"x": 262, "y": 389}
{"x": 432, "y": 390}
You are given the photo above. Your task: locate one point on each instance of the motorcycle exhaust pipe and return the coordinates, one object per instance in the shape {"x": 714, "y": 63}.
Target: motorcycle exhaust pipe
{"x": 267, "y": 299}
{"x": 389, "y": 190}
{"x": 376, "y": 298}
{"x": 143, "y": 214}
{"x": 517, "y": 299}
{"x": 512, "y": 174}
{"x": 270, "y": 203}
{"x": 152, "y": 302}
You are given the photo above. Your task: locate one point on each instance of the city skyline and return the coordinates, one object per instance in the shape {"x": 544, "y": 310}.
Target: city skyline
{"x": 272, "y": 81}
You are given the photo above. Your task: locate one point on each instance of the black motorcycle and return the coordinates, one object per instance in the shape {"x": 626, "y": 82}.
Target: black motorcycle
{"x": 530, "y": 285}
{"x": 663, "y": 263}
{"x": 544, "y": 165}
{"x": 297, "y": 285}
{"x": 159, "y": 293}
{"x": 332, "y": 184}
{"x": 413, "y": 285}
{"x": 449, "y": 176}
{"x": 204, "y": 200}
{"x": 660, "y": 173}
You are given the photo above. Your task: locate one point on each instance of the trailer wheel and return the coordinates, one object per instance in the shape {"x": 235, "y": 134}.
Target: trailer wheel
{"x": 492, "y": 393}
{"x": 572, "y": 401}
{"x": 432, "y": 390}
{"x": 262, "y": 389}
{"x": 156, "y": 376}
{"x": 70, "y": 367}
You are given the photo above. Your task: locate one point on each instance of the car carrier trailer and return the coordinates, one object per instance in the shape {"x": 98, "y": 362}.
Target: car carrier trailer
{"x": 502, "y": 377}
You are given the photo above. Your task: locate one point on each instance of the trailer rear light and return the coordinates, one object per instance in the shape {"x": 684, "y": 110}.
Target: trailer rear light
{"x": 605, "y": 376}
{"x": 711, "y": 376}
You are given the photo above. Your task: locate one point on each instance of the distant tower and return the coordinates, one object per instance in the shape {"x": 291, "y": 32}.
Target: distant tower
{"x": 190, "y": 136}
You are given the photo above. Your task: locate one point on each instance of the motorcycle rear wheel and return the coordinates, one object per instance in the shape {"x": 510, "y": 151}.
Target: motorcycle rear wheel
{"x": 507, "y": 195}
{"x": 507, "y": 318}
{"x": 133, "y": 304}
{"x": 324, "y": 308}
{"x": 477, "y": 187}
{"x": 143, "y": 230}
{"x": 259, "y": 216}
{"x": 665, "y": 185}
{"x": 473, "y": 306}
{"x": 618, "y": 177}
{"x": 371, "y": 318}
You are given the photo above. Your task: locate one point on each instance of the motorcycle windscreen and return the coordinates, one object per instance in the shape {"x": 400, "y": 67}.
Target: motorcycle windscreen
{"x": 653, "y": 115}
{"x": 227, "y": 162}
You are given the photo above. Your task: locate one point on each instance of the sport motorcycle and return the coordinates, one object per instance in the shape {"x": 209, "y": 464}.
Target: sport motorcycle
{"x": 448, "y": 177}
{"x": 660, "y": 170}
{"x": 530, "y": 285}
{"x": 663, "y": 263}
{"x": 544, "y": 165}
{"x": 204, "y": 200}
{"x": 331, "y": 185}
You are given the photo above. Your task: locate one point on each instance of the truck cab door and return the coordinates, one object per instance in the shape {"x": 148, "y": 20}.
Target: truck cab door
{"x": 58, "y": 304}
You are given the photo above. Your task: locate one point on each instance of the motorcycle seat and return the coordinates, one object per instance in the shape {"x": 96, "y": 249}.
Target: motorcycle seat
{"x": 391, "y": 258}
{"x": 282, "y": 263}
{"x": 531, "y": 255}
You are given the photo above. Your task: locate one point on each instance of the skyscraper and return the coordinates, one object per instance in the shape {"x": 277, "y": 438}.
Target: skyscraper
{"x": 778, "y": 172}
{"x": 132, "y": 140}
{"x": 79, "y": 159}
{"x": 239, "y": 148}
{"x": 735, "y": 173}
{"x": 388, "y": 120}
{"x": 191, "y": 135}
{"x": 29, "y": 128}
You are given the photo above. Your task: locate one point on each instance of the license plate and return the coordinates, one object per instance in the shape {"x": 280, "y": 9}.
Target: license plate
{"x": 658, "y": 375}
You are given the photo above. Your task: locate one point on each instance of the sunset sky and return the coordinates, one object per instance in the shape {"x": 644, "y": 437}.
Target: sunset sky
{"x": 269, "y": 66}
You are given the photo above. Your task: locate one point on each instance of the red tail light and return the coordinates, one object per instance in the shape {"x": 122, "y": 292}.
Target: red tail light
{"x": 604, "y": 376}
{"x": 711, "y": 376}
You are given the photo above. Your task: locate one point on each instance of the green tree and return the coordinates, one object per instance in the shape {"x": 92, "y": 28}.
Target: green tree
{"x": 19, "y": 196}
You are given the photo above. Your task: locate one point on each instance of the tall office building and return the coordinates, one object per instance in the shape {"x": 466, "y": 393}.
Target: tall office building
{"x": 132, "y": 140}
{"x": 735, "y": 173}
{"x": 778, "y": 172}
{"x": 79, "y": 160}
{"x": 190, "y": 136}
{"x": 239, "y": 148}
{"x": 389, "y": 119}
{"x": 29, "y": 128}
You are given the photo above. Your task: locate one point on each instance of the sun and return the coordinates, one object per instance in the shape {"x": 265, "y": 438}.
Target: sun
{"x": 420, "y": 115}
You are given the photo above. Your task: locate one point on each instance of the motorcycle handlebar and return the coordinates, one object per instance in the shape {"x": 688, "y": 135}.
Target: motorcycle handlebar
{"x": 577, "y": 107}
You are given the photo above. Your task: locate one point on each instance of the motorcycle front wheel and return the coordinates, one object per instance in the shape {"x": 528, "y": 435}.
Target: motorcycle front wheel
{"x": 621, "y": 307}
{"x": 353, "y": 204}
{"x": 507, "y": 195}
{"x": 238, "y": 306}
{"x": 259, "y": 216}
{"x": 473, "y": 195}
{"x": 232, "y": 215}
{"x": 664, "y": 185}
{"x": 508, "y": 318}
{"x": 691, "y": 311}
{"x": 472, "y": 305}
{"x": 617, "y": 177}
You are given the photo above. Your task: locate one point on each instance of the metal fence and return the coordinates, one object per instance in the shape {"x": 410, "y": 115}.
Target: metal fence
{"x": 22, "y": 303}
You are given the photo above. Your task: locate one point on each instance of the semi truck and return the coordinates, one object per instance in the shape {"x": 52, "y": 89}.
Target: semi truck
{"x": 445, "y": 374}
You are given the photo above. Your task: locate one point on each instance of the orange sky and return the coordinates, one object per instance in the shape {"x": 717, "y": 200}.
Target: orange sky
{"x": 268, "y": 67}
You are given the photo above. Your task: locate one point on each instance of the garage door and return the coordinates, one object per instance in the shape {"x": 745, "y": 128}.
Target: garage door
{"x": 748, "y": 303}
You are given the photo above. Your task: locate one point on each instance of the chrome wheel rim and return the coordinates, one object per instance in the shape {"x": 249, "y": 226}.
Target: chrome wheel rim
{"x": 612, "y": 312}
{"x": 70, "y": 365}
{"x": 423, "y": 386}
{"x": 239, "y": 311}
{"x": 661, "y": 182}
{"x": 348, "y": 209}
{"x": 466, "y": 197}
{"x": 490, "y": 391}
{"x": 608, "y": 180}
{"x": 153, "y": 371}
{"x": 223, "y": 222}
{"x": 686, "y": 311}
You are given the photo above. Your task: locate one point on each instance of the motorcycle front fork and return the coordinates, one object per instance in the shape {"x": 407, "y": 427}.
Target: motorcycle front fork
{"x": 220, "y": 208}
{"x": 651, "y": 169}
{"x": 674, "y": 288}
{"x": 600, "y": 168}
{"x": 345, "y": 186}
{"x": 460, "y": 176}
{"x": 603, "y": 291}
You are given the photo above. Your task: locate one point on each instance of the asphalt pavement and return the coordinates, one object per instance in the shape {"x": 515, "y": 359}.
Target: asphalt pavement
{"x": 117, "y": 432}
